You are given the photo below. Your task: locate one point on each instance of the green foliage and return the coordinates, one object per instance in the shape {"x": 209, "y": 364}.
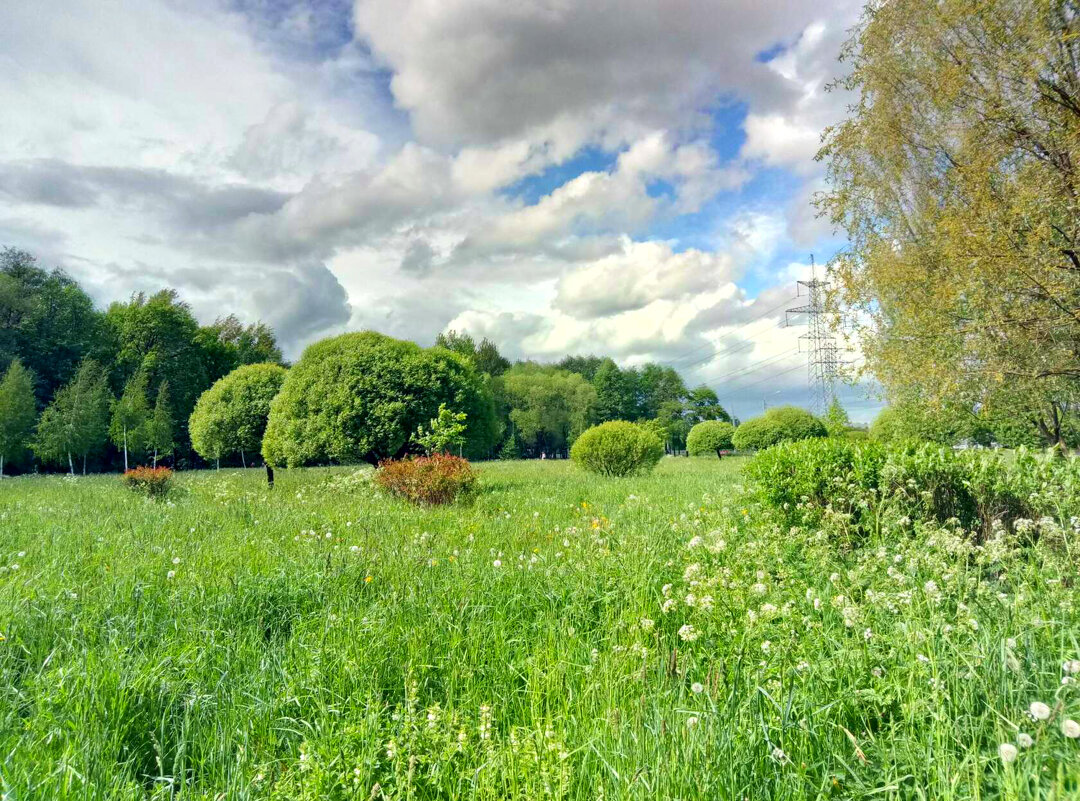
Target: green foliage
{"x": 485, "y": 356}
{"x": 617, "y": 448}
{"x": 445, "y": 432}
{"x": 779, "y": 424}
{"x": 231, "y": 416}
{"x": 46, "y": 320}
{"x": 131, "y": 417}
{"x": 161, "y": 440}
{"x": 954, "y": 180}
{"x": 358, "y": 397}
{"x": 76, "y": 423}
{"x": 18, "y": 411}
{"x": 836, "y": 419}
{"x": 228, "y": 344}
{"x": 710, "y": 437}
{"x": 433, "y": 480}
{"x": 702, "y": 404}
{"x": 153, "y": 482}
{"x": 548, "y": 407}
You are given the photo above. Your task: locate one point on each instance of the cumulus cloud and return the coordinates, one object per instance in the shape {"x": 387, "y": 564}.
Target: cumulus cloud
{"x": 408, "y": 165}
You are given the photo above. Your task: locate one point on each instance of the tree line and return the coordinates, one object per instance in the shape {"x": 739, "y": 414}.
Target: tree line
{"x": 85, "y": 388}
{"x": 89, "y": 388}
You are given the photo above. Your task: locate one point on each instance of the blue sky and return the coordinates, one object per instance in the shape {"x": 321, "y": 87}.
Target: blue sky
{"x": 525, "y": 171}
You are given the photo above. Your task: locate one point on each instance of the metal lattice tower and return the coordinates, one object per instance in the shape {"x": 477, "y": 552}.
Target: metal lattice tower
{"x": 821, "y": 346}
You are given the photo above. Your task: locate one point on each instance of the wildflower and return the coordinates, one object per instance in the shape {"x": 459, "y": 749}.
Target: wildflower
{"x": 759, "y": 588}
{"x": 696, "y": 688}
{"x": 705, "y": 602}
{"x": 367, "y": 579}
{"x": 688, "y": 633}
{"x": 1024, "y": 740}
{"x": 1070, "y": 728}
{"x": 779, "y": 755}
{"x": 692, "y": 722}
{"x": 1039, "y": 711}
{"x": 668, "y": 605}
{"x": 765, "y": 646}
{"x": 666, "y": 590}
{"x": 1072, "y": 666}
{"x": 1007, "y": 752}
{"x": 868, "y": 634}
{"x": 176, "y": 560}
{"x": 647, "y": 624}
{"x": 695, "y": 542}
{"x": 497, "y": 563}
{"x": 171, "y": 574}
{"x": 691, "y": 599}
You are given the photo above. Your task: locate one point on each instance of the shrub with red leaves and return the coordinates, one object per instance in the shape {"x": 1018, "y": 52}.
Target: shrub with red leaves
{"x": 153, "y": 482}
{"x": 428, "y": 480}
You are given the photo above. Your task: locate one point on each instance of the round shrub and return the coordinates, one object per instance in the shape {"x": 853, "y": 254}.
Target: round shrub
{"x": 427, "y": 480}
{"x": 617, "y": 448}
{"x": 153, "y": 482}
{"x": 359, "y": 398}
{"x": 709, "y": 437}
{"x": 231, "y": 416}
{"x": 780, "y": 424}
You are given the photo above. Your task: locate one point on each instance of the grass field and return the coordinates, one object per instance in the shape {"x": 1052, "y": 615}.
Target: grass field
{"x": 561, "y": 637}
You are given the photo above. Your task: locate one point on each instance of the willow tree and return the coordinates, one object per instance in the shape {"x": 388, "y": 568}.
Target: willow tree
{"x": 955, "y": 179}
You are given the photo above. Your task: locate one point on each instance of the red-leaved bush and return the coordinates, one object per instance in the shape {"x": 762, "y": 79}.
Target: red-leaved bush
{"x": 427, "y": 480}
{"x": 150, "y": 481}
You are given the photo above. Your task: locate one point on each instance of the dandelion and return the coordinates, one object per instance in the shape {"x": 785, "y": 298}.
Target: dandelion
{"x": 1072, "y": 666}
{"x": 695, "y": 542}
{"x": 176, "y": 560}
{"x": 1070, "y": 728}
{"x": 497, "y": 563}
{"x": 1024, "y": 740}
{"x": 688, "y": 633}
{"x": 368, "y": 579}
{"x": 1007, "y": 752}
{"x": 171, "y": 574}
{"x": 692, "y": 722}
{"x": 765, "y": 646}
{"x": 1039, "y": 711}
{"x": 354, "y": 549}
{"x": 779, "y": 755}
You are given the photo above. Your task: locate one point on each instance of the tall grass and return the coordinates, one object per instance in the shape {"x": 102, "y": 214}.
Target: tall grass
{"x": 323, "y": 641}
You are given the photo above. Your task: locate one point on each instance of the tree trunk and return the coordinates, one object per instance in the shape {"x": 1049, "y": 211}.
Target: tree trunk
{"x": 125, "y": 450}
{"x": 71, "y": 464}
{"x": 243, "y": 461}
{"x": 84, "y": 464}
{"x": 269, "y": 475}
{"x": 155, "y": 458}
{"x": 1, "y": 465}
{"x": 217, "y": 463}
{"x": 718, "y": 454}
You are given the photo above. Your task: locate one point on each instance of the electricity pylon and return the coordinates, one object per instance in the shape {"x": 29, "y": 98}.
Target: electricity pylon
{"x": 821, "y": 346}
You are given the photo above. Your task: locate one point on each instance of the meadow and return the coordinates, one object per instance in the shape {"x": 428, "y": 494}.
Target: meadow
{"x": 561, "y": 636}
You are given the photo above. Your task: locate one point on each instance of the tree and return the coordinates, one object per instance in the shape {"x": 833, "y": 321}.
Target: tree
{"x": 547, "y": 407}
{"x": 227, "y": 344}
{"x": 616, "y": 393}
{"x": 46, "y": 320}
{"x": 130, "y": 428}
{"x": 445, "y": 432}
{"x": 18, "y": 411}
{"x": 658, "y": 385}
{"x": 231, "y": 416}
{"x": 485, "y": 356}
{"x": 584, "y": 366}
{"x": 710, "y": 436}
{"x": 703, "y": 404}
{"x": 779, "y": 424}
{"x": 955, "y": 181}
{"x": 159, "y": 336}
{"x": 358, "y": 397}
{"x": 836, "y": 419}
{"x": 76, "y": 423}
{"x": 161, "y": 439}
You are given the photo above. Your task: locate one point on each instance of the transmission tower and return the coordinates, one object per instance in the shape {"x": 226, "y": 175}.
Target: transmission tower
{"x": 821, "y": 347}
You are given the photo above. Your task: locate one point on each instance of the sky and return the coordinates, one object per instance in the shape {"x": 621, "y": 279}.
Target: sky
{"x": 629, "y": 178}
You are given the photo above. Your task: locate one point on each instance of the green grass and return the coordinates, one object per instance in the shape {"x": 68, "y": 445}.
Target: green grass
{"x": 320, "y": 639}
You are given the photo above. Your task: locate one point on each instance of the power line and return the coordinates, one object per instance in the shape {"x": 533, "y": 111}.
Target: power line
{"x": 752, "y": 368}
{"x": 760, "y": 317}
{"x": 821, "y": 353}
{"x": 761, "y": 381}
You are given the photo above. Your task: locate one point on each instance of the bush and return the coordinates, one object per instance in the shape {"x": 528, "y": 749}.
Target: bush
{"x": 427, "y": 480}
{"x": 781, "y": 424}
{"x": 799, "y": 481}
{"x": 709, "y": 437}
{"x": 153, "y": 482}
{"x": 617, "y": 448}
{"x": 359, "y": 397}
